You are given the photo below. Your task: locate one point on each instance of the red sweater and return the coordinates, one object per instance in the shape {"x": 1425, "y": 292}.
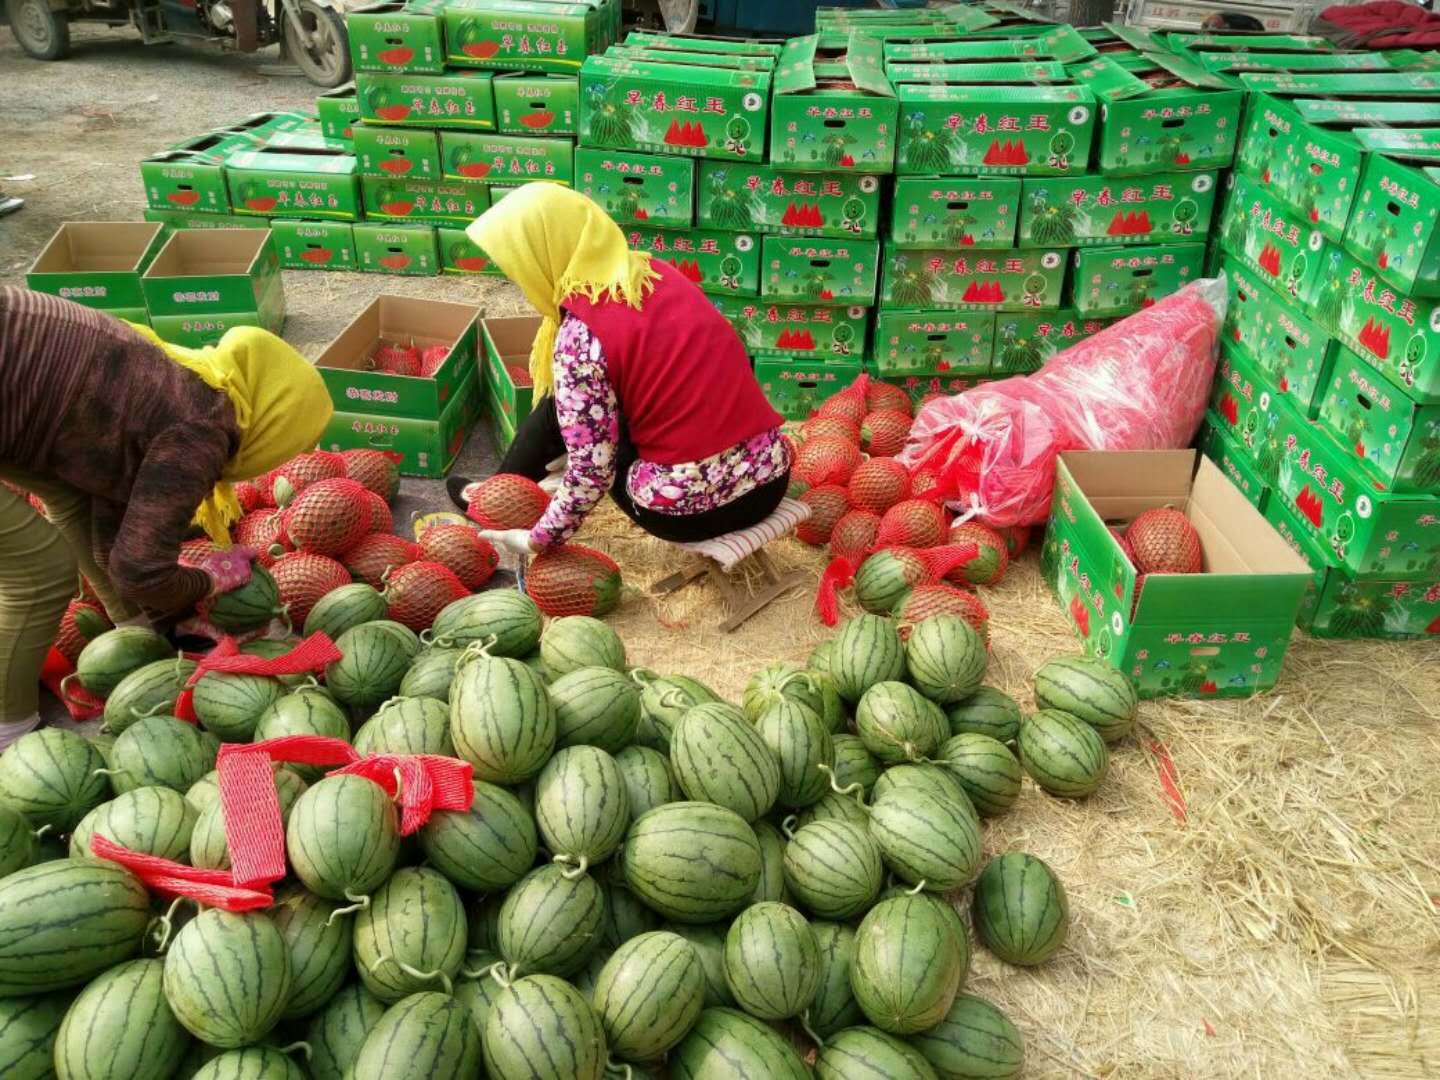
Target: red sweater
{"x": 679, "y": 370}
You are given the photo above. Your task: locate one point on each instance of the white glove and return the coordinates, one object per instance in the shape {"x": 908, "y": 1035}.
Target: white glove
{"x": 555, "y": 474}
{"x": 515, "y": 541}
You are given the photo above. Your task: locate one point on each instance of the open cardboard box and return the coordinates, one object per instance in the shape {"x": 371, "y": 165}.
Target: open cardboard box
{"x": 98, "y": 264}
{"x": 344, "y": 365}
{"x": 202, "y": 273}
{"x": 1222, "y": 633}
{"x": 424, "y": 447}
{"x": 506, "y": 379}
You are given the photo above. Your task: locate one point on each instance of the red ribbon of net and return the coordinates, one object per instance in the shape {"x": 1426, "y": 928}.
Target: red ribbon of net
{"x": 840, "y": 574}
{"x": 213, "y": 888}
{"x": 308, "y": 657}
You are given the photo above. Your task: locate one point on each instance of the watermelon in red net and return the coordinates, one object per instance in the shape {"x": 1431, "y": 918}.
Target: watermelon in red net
{"x": 990, "y": 564}
{"x": 375, "y": 555}
{"x": 828, "y": 504}
{"x": 926, "y": 601}
{"x": 249, "y": 496}
{"x": 381, "y": 519}
{"x": 303, "y": 578}
{"x": 378, "y": 470}
{"x": 837, "y": 426}
{"x": 1164, "y": 542}
{"x": 261, "y": 530}
{"x": 879, "y": 484}
{"x": 417, "y": 591}
{"x": 507, "y": 501}
{"x": 914, "y": 523}
{"x": 431, "y": 358}
{"x": 854, "y": 535}
{"x": 394, "y": 358}
{"x": 1124, "y": 542}
{"x": 883, "y": 432}
{"x": 194, "y": 552}
{"x": 883, "y": 395}
{"x": 797, "y": 487}
{"x": 848, "y": 403}
{"x": 329, "y": 516}
{"x": 923, "y": 481}
{"x": 573, "y": 580}
{"x": 465, "y": 552}
{"x": 82, "y": 621}
{"x": 1017, "y": 539}
{"x": 302, "y": 471}
{"x": 827, "y": 459}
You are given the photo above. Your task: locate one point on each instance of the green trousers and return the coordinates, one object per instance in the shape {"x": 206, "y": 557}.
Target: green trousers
{"x": 40, "y": 566}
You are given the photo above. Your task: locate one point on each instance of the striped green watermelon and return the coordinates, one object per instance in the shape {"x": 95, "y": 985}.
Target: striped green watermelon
{"x": 819, "y": 659}
{"x": 648, "y": 995}
{"x": 930, "y": 777}
{"x": 320, "y": 943}
{"x": 987, "y": 770}
{"x": 802, "y": 744}
{"x": 509, "y": 617}
{"x": 227, "y": 977}
{"x": 834, "y": 806}
{"x": 585, "y": 979}
{"x": 572, "y": 642}
{"x": 1063, "y": 754}
{"x": 833, "y": 1006}
{"x": 161, "y": 751}
{"x": 28, "y": 1027}
{"x": 343, "y": 837}
{"x": 664, "y": 701}
{"x": 430, "y": 674}
{"x": 490, "y": 846}
{"x": 720, "y": 758}
{"x": 407, "y": 726}
{"x": 541, "y": 1028}
{"x": 926, "y": 839}
{"x": 863, "y": 1053}
{"x": 151, "y": 820}
{"x": 501, "y": 719}
{"x": 230, "y": 705}
{"x": 772, "y": 865}
{"x": 834, "y": 868}
{"x": 885, "y": 577}
{"x": 248, "y": 607}
{"x": 535, "y": 664}
{"x": 411, "y": 937}
{"x": 52, "y": 777}
{"x": 305, "y": 712}
{"x": 708, "y": 941}
{"x": 987, "y": 712}
{"x": 105, "y": 744}
{"x": 337, "y": 1032}
{"x": 908, "y": 965}
{"x": 853, "y": 763}
{"x": 649, "y": 779}
{"x": 483, "y": 927}
{"x": 1101, "y": 695}
{"x": 625, "y": 916}
{"x": 273, "y": 648}
{"x": 1019, "y": 909}
{"x": 251, "y": 1063}
{"x": 692, "y": 861}
{"x": 550, "y": 922}
{"x": 772, "y": 964}
{"x": 407, "y": 638}
{"x": 947, "y": 659}
{"x": 121, "y": 1026}
{"x": 148, "y": 691}
{"x": 105, "y": 661}
{"x": 423, "y": 1035}
{"x": 868, "y": 650}
{"x": 344, "y": 608}
{"x": 785, "y": 681}
{"x": 595, "y": 706}
{"x": 477, "y": 986}
{"x": 975, "y": 1041}
{"x": 17, "y": 841}
{"x": 208, "y": 847}
{"x": 726, "y": 1044}
{"x": 897, "y": 723}
{"x": 581, "y": 806}
{"x": 205, "y": 792}
{"x": 373, "y": 661}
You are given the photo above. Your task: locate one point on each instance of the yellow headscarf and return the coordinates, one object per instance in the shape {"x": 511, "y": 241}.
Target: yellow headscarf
{"x": 555, "y": 243}
{"x": 281, "y": 408}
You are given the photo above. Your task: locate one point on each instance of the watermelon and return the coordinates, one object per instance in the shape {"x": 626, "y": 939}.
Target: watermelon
{"x": 908, "y": 965}
{"x": 985, "y": 768}
{"x": 581, "y": 806}
{"x": 148, "y": 691}
{"x": 946, "y": 658}
{"x": 898, "y": 724}
{"x": 372, "y": 663}
{"x": 834, "y": 868}
{"x": 790, "y": 682}
{"x": 862, "y": 1053}
{"x": 868, "y": 650}
{"x": 461, "y": 550}
{"x": 692, "y": 861}
{"x": 161, "y": 751}
{"x": 106, "y": 660}
{"x": 708, "y": 941}
{"x": 772, "y": 964}
{"x": 853, "y": 763}
{"x": 337, "y": 1033}
{"x": 579, "y": 641}
{"x": 726, "y": 1043}
{"x": 51, "y": 777}
{"x": 772, "y": 865}
{"x": 1019, "y": 909}
{"x": 306, "y": 712}
{"x": 720, "y": 758}
{"x": 595, "y": 706}
{"x": 28, "y": 1028}
{"x": 408, "y": 639}
{"x": 648, "y": 995}
{"x": 227, "y": 977}
{"x": 151, "y": 820}
{"x": 477, "y": 987}
{"x": 483, "y": 929}
{"x": 550, "y": 922}
{"x": 926, "y": 839}
{"x": 248, "y": 607}
{"x": 931, "y": 777}
{"x": 541, "y": 1026}
{"x": 987, "y": 712}
{"x": 319, "y": 942}
{"x": 819, "y": 659}
{"x": 411, "y": 936}
{"x": 17, "y": 841}
{"x": 490, "y": 846}
{"x": 885, "y": 577}
{"x": 344, "y": 609}
{"x": 208, "y": 848}
{"x": 625, "y": 917}
{"x": 833, "y": 1006}
{"x": 205, "y": 792}
{"x": 664, "y": 700}
{"x": 649, "y": 779}
{"x": 430, "y": 674}
{"x": 407, "y": 726}
{"x": 834, "y": 806}
{"x": 343, "y": 837}
{"x": 975, "y": 1041}
{"x": 573, "y": 580}
{"x": 230, "y": 705}
{"x": 501, "y": 719}
{"x": 423, "y": 1035}
{"x": 1090, "y": 689}
{"x": 800, "y": 741}
{"x": 1063, "y": 754}
{"x": 121, "y": 1025}
{"x": 510, "y": 617}
{"x": 250, "y": 1063}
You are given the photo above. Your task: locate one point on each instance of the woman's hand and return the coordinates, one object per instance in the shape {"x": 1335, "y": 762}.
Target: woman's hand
{"x": 229, "y": 569}
{"x": 515, "y": 541}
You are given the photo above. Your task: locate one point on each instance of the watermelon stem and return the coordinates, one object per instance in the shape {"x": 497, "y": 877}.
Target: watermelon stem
{"x": 643, "y": 676}
{"x": 43, "y": 829}
{"x": 578, "y": 870}
{"x": 415, "y": 973}
{"x": 357, "y": 903}
{"x": 302, "y": 1046}
{"x": 787, "y": 825}
{"x": 500, "y": 972}
{"x": 857, "y": 789}
{"x": 675, "y": 698}
{"x": 472, "y": 651}
{"x": 165, "y": 925}
{"x": 804, "y": 1021}
{"x": 917, "y": 890}
{"x": 619, "y": 1067}
{"x": 65, "y": 691}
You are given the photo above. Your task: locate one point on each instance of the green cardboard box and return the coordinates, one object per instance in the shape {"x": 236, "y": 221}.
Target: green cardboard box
{"x": 1233, "y": 460}
{"x": 527, "y": 35}
{"x": 1059, "y": 42}
{"x": 1394, "y": 440}
{"x": 1393, "y": 226}
{"x": 182, "y": 219}
{"x": 383, "y": 248}
{"x": 191, "y": 177}
{"x": 262, "y": 125}
{"x": 833, "y": 111}
{"x": 721, "y": 263}
{"x": 946, "y": 343}
{"x": 1018, "y": 130}
{"x": 502, "y": 431}
{"x": 1223, "y": 633}
{"x": 1026, "y": 340}
{"x": 313, "y": 245}
{"x": 411, "y": 153}
{"x": 347, "y": 364}
{"x": 285, "y": 182}
{"x": 1285, "y": 250}
{"x": 1256, "y": 416}
{"x": 198, "y": 331}
{"x": 797, "y": 388}
{"x": 707, "y": 43}
{"x": 201, "y": 273}
{"x": 506, "y": 372}
{"x": 461, "y": 255}
{"x": 650, "y": 188}
{"x": 430, "y": 201}
{"x": 974, "y": 278}
{"x": 339, "y": 112}
{"x": 931, "y": 212}
{"x": 1084, "y": 210}
{"x": 738, "y": 61}
{"x": 512, "y": 159}
{"x": 1368, "y": 112}
{"x": 818, "y": 332}
{"x": 819, "y": 270}
{"x": 666, "y": 108}
{"x": 462, "y": 100}
{"x": 922, "y": 385}
{"x": 1417, "y": 84}
{"x": 1292, "y": 350}
{"x": 1228, "y": 42}
{"x": 1235, "y": 63}
{"x": 397, "y": 35}
{"x": 310, "y": 137}
{"x": 1018, "y": 72}
{"x": 426, "y": 447}
{"x": 763, "y": 198}
{"x": 98, "y": 264}
{"x": 1119, "y": 281}
{"x": 537, "y": 104}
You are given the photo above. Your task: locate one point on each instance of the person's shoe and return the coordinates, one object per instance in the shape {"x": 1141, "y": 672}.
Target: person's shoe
{"x": 9, "y": 204}
{"x": 459, "y": 489}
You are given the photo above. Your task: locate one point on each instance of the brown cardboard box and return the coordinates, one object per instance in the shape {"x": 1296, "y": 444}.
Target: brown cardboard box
{"x": 98, "y": 264}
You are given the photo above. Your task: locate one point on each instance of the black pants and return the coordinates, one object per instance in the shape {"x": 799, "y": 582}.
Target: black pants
{"x": 538, "y": 442}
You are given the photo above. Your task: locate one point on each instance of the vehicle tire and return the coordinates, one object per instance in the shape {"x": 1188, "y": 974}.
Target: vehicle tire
{"x": 42, "y": 32}
{"x": 328, "y": 64}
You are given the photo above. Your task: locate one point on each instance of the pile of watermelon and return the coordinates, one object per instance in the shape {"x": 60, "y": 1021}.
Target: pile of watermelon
{"x": 648, "y": 880}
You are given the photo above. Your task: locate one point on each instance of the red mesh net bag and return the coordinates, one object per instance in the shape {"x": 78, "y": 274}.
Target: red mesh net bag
{"x": 827, "y": 459}
{"x": 82, "y": 621}
{"x": 879, "y": 484}
{"x": 375, "y": 555}
{"x": 378, "y": 470}
{"x": 194, "y": 552}
{"x": 394, "y": 358}
{"x": 913, "y": 523}
{"x": 468, "y": 555}
{"x": 303, "y": 578}
{"x": 927, "y": 601}
{"x": 1163, "y": 541}
{"x": 573, "y": 580}
{"x": 797, "y": 487}
{"x": 838, "y": 427}
{"x": 854, "y": 535}
{"x": 431, "y": 358}
{"x": 417, "y": 591}
{"x": 249, "y": 496}
{"x": 507, "y": 501}
{"x": 329, "y": 516}
{"x": 882, "y": 395}
{"x": 381, "y": 519}
{"x": 1017, "y": 539}
{"x": 828, "y": 504}
{"x": 992, "y": 556}
{"x": 883, "y": 432}
{"x": 924, "y": 483}
{"x": 1124, "y": 542}
{"x": 302, "y": 471}
{"x": 888, "y": 572}
{"x": 848, "y": 404}
{"x": 261, "y": 530}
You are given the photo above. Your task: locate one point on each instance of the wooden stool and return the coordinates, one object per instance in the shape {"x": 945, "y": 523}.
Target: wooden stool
{"x": 719, "y": 559}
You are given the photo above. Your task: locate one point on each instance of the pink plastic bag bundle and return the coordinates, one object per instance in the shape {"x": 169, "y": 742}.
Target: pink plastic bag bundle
{"x": 1141, "y": 384}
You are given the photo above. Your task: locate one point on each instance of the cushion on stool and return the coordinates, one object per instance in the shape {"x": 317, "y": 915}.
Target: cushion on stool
{"x": 730, "y": 549}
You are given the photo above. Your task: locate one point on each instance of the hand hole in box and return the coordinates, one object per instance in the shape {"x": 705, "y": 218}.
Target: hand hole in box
{"x": 394, "y": 41}
{"x": 1274, "y": 133}
{"x": 637, "y": 180}
{"x": 961, "y": 205}
{"x": 1173, "y": 122}
{"x": 1394, "y": 208}
{"x": 1363, "y": 400}
{"x": 834, "y": 123}
{"x": 1143, "y": 273}
{"x": 1290, "y": 343}
{"x": 821, "y": 263}
{"x": 396, "y": 250}
{"x": 808, "y": 384}
{"x": 1206, "y": 650}
{"x": 934, "y": 337}
{"x": 1242, "y": 296}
